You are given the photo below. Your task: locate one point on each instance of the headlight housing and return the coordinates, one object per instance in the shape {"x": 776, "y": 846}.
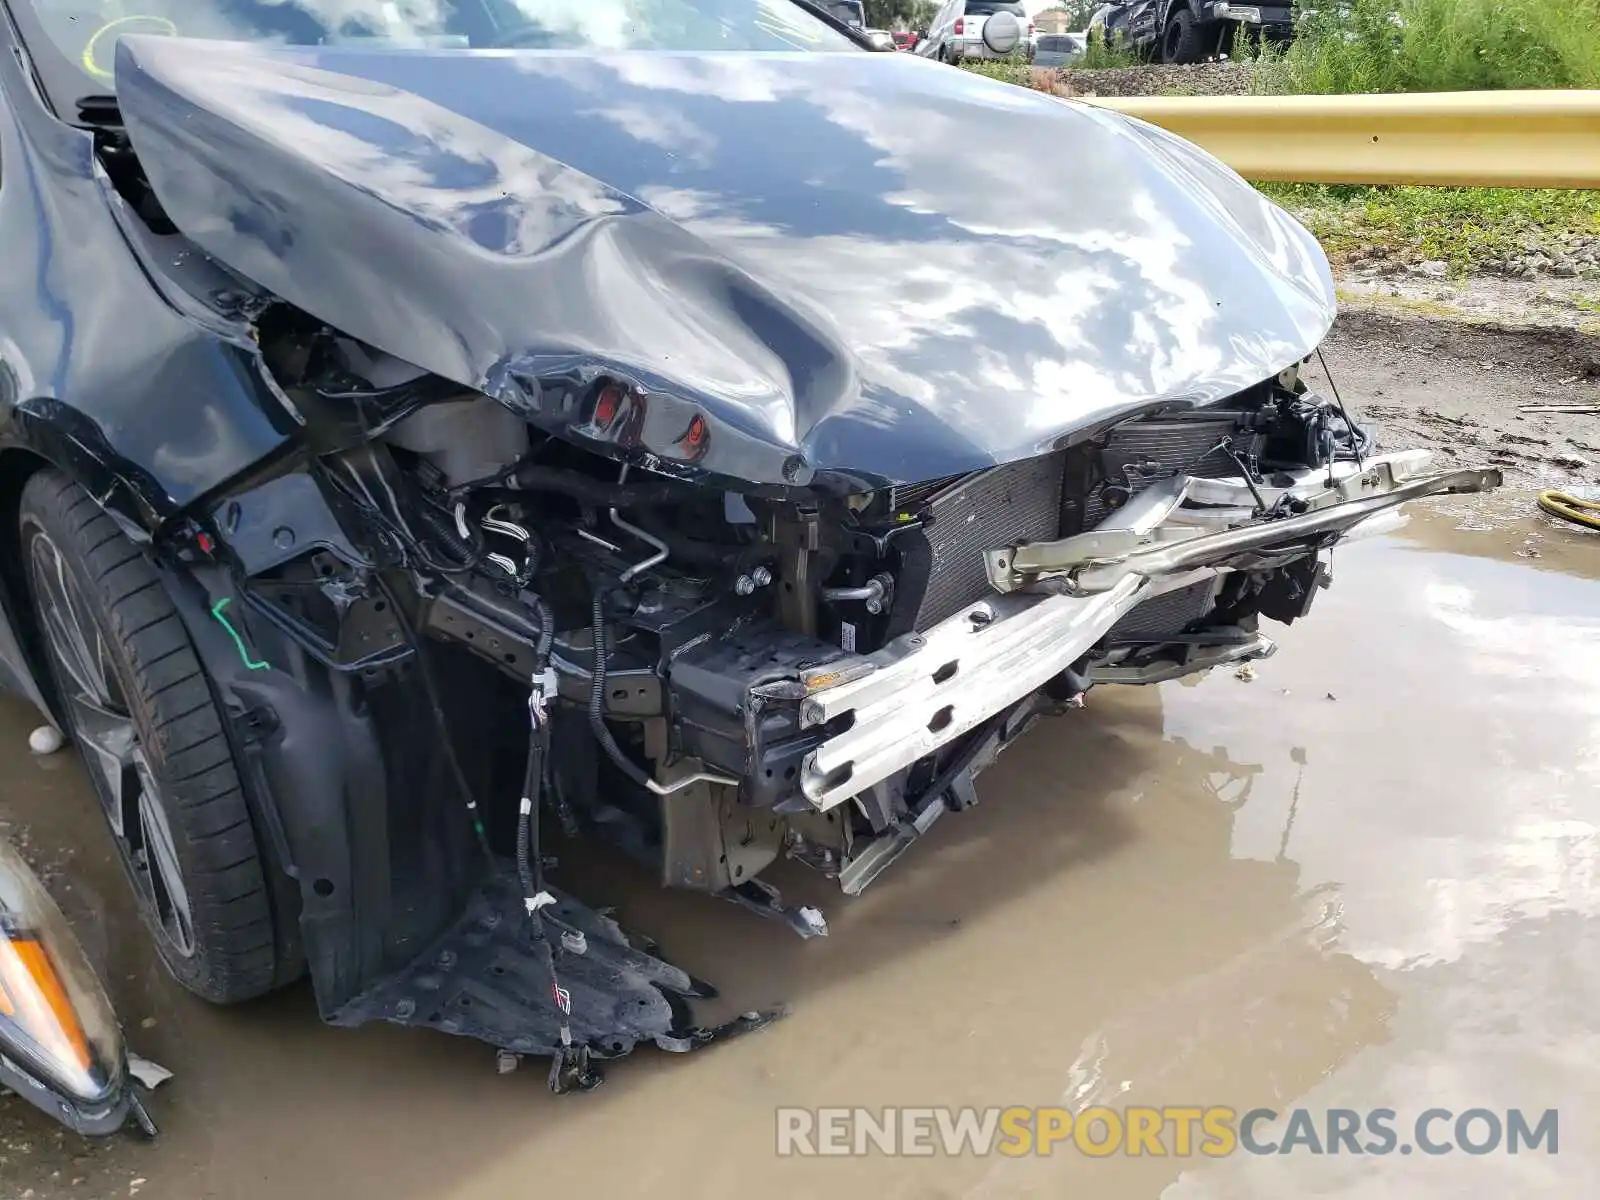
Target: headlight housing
{"x": 60, "y": 1045}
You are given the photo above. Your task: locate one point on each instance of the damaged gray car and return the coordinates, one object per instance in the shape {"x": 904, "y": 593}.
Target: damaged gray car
{"x": 428, "y": 428}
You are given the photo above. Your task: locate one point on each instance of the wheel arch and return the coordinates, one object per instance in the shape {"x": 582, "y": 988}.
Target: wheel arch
{"x": 20, "y": 641}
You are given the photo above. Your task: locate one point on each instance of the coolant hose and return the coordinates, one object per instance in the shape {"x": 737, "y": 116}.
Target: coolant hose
{"x": 597, "y": 699}
{"x": 1571, "y": 508}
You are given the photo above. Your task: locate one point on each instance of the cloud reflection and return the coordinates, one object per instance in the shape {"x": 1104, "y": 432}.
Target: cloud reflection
{"x": 888, "y": 260}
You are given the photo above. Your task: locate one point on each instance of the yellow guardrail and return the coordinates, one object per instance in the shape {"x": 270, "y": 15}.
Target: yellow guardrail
{"x": 1469, "y": 139}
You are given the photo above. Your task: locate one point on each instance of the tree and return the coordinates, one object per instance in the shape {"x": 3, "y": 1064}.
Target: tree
{"x": 908, "y": 14}
{"x": 1079, "y": 12}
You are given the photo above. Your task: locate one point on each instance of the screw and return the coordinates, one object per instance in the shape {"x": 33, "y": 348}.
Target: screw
{"x": 744, "y": 585}
{"x": 573, "y": 941}
{"x": 875, "y": 605}
{"x": 761, "y": 576}
{"x": 283, "y": 537}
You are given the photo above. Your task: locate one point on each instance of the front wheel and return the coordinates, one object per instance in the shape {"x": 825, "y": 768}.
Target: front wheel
{"x": 135, "y": 699}
{"x": 1184, "y": 42}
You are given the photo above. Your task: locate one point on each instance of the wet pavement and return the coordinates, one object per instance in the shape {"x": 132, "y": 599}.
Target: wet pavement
{"x": 1365, "y": 878}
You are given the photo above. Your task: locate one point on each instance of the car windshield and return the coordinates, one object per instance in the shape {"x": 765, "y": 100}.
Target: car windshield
{"x": 984, "y": 8}
{"x": 850, "y": 12}
{"x": 85, "y": 31}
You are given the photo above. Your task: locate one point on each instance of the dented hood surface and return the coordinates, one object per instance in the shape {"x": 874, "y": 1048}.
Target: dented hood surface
{"x": 858, "y": 268}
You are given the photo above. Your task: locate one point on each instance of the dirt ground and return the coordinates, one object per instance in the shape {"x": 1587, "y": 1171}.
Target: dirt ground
{"x": 1367, "y": 877}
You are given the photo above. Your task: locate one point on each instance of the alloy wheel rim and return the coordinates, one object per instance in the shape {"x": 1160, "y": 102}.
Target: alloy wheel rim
{"x": 99, "y": 721}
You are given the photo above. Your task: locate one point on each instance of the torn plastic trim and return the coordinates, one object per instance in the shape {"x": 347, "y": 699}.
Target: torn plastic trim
{"x": 1198, "y": 658}
{"x": 485, "y": 979}
{"x": 925, "y": 691}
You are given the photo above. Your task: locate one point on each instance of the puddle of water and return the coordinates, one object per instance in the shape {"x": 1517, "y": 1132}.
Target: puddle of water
{"x": 1367, "y": 878}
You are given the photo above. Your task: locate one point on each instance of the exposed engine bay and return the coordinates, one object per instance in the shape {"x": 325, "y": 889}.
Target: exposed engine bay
{"x": 493, "y": 472}
{"x": 712, "y": 680}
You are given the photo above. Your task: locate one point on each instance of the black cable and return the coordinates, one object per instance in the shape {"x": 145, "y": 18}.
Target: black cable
{"x": 470, "y": 552}
{"x": 530, "y": 863}
{"x": 597, "y": 698}
{"x": 1356, "y": 437}
{"x": 570, "y": 1066}
{"x": 598, "y": 493}
{"x": 406, "y": 542}
{"x": 547, "y": 631}
{"x": 431, "y": 691}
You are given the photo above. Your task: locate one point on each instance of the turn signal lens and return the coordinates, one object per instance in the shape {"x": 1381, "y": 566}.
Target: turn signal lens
{"x": 32, "y": 994}
{"x": 53, "y": 1013}
{"x": 961, "y": 26}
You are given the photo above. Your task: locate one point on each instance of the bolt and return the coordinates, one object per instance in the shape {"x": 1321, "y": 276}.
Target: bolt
{"x": 761, "y": 576}
{"x": 875, "y": 605}
{"x": 744, "y": 585}
{"x": 573, "y": 941}
{"x": 283, "y": 537}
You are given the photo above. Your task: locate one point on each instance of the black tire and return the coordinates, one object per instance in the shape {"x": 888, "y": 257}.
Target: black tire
{"x": 220, "y": 943}
{"x": 1184, "y": 41}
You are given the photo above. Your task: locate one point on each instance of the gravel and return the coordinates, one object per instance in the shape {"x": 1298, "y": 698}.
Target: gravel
{"x": 1201, "y": 79}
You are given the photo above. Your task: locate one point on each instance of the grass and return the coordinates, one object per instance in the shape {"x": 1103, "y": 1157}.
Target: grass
{"x": 1411, "y": 46}
{"x": 1006, "y": 70}
{"x": 1467, "y": 228}
{"x": 1100, "y": 55}
{"x": 1439, "y": 45}
{"x": 1404, "y": 304}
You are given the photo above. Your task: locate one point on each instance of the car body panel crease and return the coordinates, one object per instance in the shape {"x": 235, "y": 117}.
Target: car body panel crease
{"x": 858, "y": 315}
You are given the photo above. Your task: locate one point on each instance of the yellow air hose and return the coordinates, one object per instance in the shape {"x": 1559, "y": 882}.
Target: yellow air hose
{"x": 1571, "y": 508}
{"x": 119, "y": 26}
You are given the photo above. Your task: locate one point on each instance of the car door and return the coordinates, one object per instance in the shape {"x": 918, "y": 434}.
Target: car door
{"x": 928, "y": 47}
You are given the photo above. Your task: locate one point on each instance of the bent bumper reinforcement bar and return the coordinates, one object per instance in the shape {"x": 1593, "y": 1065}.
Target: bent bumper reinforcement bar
{"x": 923, "y": 691}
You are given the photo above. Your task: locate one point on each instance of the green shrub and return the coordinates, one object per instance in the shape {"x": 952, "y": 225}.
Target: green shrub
{"x": 1439, "y": 45}
{"x": 1007, "y": 70}
{"x": 1099, "y": 54}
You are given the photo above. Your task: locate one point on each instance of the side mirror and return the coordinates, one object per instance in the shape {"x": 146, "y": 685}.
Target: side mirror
{"x": 61, "y": 1048}
{"x": 880, "y": 40}
{"x": 1002, "y": 32}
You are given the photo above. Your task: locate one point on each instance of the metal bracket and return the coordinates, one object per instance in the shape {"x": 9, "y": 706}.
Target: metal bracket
{"x": 1155, "y": 534}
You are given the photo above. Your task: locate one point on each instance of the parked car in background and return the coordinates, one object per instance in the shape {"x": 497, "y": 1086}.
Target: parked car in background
{"x": 881, "y": 39}
{"x": 957, "y": 32}
{"x": 1188, "y": 31}
{"x": 1059, "y": 49}
{"x": 904, "y": 39}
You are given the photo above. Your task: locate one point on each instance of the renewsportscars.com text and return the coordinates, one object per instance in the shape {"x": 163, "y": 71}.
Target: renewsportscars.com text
{"x": 1175, "y": 1130}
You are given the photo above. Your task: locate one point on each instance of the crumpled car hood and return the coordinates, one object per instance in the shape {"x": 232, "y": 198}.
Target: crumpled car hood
{"x": 857, "y": 269}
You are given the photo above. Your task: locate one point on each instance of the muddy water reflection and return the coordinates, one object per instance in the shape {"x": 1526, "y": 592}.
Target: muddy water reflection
{"x": 1366, "y": 878}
